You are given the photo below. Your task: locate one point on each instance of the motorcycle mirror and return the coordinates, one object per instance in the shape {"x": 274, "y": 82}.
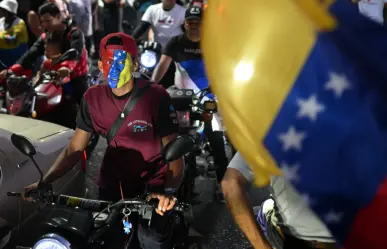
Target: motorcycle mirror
{"x": 25, "y": 146}
{"x": 70, "y": 54}
{"x": 178, "y": 148}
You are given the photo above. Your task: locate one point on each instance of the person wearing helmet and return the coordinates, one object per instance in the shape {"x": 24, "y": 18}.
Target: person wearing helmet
{"x": 139, "y": 135}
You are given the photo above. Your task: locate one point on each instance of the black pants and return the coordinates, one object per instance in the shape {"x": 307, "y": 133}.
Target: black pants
{"x": 153, "y": 234}
{"x": 66, "y": 114}
{"x": 111, "y": 17}
{"x": 216, "y": 140}
{"x": 169, "y": 77}
{"x": 80, "y": 85}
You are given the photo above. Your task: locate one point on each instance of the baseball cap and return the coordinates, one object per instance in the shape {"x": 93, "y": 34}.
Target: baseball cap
{"x": 193, "y": 12}
{"x": 128, "y": 43}
{"x": 9, "y": 5}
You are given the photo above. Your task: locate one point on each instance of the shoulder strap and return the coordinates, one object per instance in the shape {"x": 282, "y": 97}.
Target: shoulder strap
{"x": 70, "y": 32}
{"x": 138, "y": 92}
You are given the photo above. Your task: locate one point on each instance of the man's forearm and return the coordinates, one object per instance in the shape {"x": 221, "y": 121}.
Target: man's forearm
{"x": 64, "y": 163}
{"x": 241, "y": 210}
{"x": 159, "y": 73}
{"x": 175, "y": 174}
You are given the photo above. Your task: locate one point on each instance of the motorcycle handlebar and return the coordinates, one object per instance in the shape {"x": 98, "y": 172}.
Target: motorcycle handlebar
{"x": 100, "y": 205}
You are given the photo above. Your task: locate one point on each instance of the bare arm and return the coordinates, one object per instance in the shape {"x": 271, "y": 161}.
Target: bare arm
{"x": 233, "y": 186}
{"x": 161, "y": 68}
{"x": 69, "y": 157}
{"x": 175, "y": 172}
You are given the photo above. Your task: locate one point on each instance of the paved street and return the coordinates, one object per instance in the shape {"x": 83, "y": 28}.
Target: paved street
{"x": 213, "y": 226}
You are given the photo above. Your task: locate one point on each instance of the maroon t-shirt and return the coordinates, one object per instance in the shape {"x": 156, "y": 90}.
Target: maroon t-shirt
{"x": 137, "y": 143}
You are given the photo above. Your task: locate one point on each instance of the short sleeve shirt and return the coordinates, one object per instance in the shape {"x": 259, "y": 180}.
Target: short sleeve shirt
{"x": 165, "y": 24}
{"x": 138, "y": 141}
{"x": 191, "y": 72}
{"x": 295, "y": 213}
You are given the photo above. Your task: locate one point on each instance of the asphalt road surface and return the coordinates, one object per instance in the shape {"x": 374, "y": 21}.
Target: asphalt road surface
{"x": 213, "y": 226}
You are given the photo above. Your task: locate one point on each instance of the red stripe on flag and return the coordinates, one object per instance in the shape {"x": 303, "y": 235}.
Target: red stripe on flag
{"x": 370, "y": 225}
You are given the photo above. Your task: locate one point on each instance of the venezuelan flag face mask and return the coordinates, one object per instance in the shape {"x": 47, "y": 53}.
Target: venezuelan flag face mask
{"x": 117, "y": 66}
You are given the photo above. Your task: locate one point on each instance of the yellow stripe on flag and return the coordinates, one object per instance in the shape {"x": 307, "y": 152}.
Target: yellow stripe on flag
{"x": 253, "y": 52}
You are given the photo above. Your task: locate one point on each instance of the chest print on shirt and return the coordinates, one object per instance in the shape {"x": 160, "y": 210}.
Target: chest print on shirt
{"x": 166, "y": 20}
{"x": 139, "y": 125}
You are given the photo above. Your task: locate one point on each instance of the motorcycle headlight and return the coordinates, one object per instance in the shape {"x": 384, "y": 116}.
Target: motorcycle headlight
{"x": 148, "y": 59}
{"x": 52, "y": 241}
{"x": 55, "y": 100}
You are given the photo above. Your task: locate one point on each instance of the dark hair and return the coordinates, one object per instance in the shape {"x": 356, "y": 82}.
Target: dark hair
{"x": 115, "y": 40}
{"x": 49, "y": 8}
{"x": 56, "y": 38}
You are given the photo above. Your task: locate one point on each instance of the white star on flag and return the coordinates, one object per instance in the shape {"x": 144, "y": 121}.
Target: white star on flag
{"x": 290, "y": 171}
{"x": 119, "y": 54}
{"x": 292, "y": 139}
{"x": 333, "y": 217}
{"x": 309, "y": 108}
{"x": 338, "y": 84}
{"x": 115, "y": 58}
{"x": 309, "y": 201}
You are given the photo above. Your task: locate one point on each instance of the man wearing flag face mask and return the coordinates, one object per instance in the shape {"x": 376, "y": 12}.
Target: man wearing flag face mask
{"x": 137, "y": 141}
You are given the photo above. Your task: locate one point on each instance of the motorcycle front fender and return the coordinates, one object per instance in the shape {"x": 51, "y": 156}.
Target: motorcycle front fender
{"x": 74, "y": 224}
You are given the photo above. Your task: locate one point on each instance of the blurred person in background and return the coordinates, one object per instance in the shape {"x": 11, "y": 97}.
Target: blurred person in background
{"x": 25, "y": 6}
{"x": 166, "y": 20}
{"x": 33, "y": 18}
{"x": 51, "y": 20}
{"x": 286, "y": 218}
{"x": 111, "y": 16}
{"x": 372, "y": 9}
{"x": 13, "y": 33}
{"x": 184, "y": 50}
{"x": 81, "y": 14}
{"x": 97, "y": 32}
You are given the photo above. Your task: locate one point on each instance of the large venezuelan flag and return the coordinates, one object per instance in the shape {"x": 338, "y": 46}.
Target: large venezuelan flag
{"x": 302, "y": 86}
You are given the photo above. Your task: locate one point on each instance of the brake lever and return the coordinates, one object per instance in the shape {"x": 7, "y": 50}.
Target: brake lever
{"x": 45, "y": 192}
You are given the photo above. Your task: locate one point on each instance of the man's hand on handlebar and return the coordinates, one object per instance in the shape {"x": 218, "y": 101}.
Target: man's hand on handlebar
{"x": 29, "y": 189}
{"x": 64, "y": 72}
{"x": 166, "y": 202}
{"x": 3, "y": 74}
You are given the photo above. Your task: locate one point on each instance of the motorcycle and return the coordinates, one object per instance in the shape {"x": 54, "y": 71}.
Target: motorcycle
{"x": 82, "y": 223}
{"x": 194, "y": 115}
{"x": 43, "y": 99}
{"x": 149, "y": 54}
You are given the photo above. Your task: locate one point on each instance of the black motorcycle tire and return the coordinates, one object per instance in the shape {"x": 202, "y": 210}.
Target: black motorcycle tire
{"x": 218, "y": 151}
{"x": 92, "y": 144}
{"x": 187, "y": 187}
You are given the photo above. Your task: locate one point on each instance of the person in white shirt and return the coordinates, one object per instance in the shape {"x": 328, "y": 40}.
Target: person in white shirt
{"x": 80, "y": 11}
{"x": 372, "y": 9}
{"x": 166, "y": 20}
{"x": 286, "y": 217}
